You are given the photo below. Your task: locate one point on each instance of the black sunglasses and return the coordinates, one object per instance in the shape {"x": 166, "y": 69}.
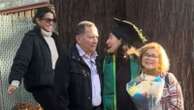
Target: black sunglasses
{"x": 48, "y": 20}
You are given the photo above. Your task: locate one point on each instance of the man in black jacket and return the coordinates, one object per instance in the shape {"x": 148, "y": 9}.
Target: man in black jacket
{"x": 35, "y": 60}
{"x": 78, "y": 76}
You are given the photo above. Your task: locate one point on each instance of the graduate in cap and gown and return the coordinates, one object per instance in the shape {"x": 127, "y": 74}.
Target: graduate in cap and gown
{"x": 121, "y": 64}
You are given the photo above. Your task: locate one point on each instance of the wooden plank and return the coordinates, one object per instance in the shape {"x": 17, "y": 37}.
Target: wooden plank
{"x": 24, "y": 8}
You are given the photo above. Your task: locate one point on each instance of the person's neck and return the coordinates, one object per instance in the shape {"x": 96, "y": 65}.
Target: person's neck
{"x": 45, "y": 33}
{"x": 152, "y": 72}
{"x": 88, "y": 53}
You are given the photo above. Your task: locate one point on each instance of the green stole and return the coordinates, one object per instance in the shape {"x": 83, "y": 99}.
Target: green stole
{"x": 109, "y": 78}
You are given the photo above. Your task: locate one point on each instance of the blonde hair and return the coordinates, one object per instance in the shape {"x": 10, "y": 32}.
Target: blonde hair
{"x": 164, "y": 63}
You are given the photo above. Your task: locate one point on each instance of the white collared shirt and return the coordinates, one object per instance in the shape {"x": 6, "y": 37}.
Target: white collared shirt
{"x": 91, "y": 63}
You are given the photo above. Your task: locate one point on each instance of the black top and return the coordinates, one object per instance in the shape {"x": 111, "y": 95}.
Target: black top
{"x": 122, "y": 77}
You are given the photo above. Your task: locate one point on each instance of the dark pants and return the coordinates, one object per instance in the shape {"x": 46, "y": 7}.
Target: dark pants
{"x": 46, "y": 98}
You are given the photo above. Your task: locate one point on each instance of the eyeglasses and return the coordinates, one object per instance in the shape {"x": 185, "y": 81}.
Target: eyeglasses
{"x": 150, "y": 55}
{"x": 48, "y": 20}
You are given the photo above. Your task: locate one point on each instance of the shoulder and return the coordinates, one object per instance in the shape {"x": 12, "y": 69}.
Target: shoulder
{"x": 29, "y": 37}
{"x": 33, "y": 32}
{"x": 134, "y": 61}
{"x": 65, "y": 55}
{"x": 170, "y": 77}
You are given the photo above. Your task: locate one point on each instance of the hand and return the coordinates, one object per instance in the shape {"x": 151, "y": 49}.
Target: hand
{"x": 11, "y": 89}
{"x": 132, "y": 51}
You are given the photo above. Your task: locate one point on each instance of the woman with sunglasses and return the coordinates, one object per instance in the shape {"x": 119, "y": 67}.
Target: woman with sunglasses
{"x": 155, "y": 88}
{"x": 35, "y": 60}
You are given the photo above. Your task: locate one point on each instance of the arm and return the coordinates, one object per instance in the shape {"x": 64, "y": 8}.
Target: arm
{"x": 62, "y": 81}
{"x": 20, "y": 63}
{"x": 175, "y": 96}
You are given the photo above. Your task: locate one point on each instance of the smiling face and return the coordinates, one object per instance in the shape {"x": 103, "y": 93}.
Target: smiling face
{"x": 150, "y": 60}
{"x": 112, "y": 43}
{"x": 46, "y": 22}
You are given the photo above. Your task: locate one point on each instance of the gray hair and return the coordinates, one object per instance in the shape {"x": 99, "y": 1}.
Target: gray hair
{"x": 81, "y": 26}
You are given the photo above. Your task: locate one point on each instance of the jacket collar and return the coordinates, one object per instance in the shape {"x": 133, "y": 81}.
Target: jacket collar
{"x": 75, "y": 54}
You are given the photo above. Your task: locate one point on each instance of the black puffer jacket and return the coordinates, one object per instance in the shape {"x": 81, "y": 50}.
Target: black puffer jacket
{"x": 33, "y": 61}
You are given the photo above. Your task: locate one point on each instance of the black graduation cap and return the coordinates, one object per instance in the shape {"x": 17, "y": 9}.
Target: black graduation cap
{"x": 128, "y": 32}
